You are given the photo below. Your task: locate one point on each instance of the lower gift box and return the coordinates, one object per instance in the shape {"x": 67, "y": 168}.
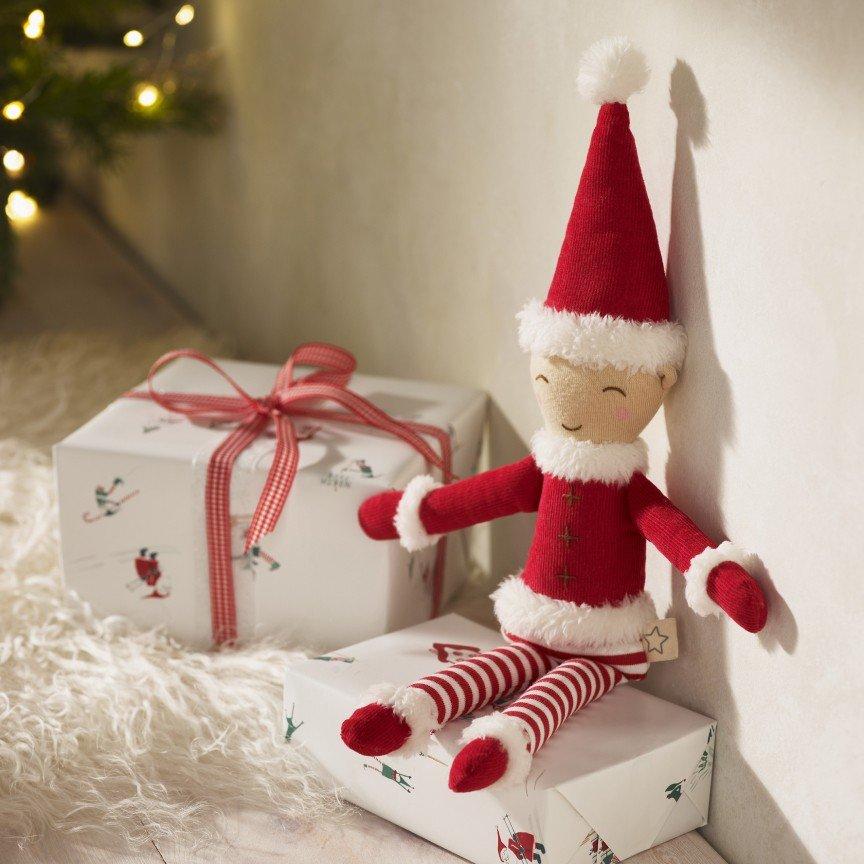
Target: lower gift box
{"x": 626, "y": 773}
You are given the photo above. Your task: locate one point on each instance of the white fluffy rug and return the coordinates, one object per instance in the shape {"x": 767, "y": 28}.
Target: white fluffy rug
{"x": 108, "y": 730}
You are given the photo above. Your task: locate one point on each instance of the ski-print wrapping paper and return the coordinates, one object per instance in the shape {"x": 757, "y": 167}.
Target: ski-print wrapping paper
{"x": 628, "y": 772}
{"x": 132, "y": 513}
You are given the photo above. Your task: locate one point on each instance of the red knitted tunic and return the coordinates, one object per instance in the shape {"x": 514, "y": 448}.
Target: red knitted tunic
{"x": 586, "y": 547}
{"x": 582, "y": 588}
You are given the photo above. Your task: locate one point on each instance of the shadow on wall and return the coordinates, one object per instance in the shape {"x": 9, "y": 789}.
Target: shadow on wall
{"x": 700, "y": 417}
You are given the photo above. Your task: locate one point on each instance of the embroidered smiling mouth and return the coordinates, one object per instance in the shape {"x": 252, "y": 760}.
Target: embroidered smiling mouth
{"x": 571, "y": 428}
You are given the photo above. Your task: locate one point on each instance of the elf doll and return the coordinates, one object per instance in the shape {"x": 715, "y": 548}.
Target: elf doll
{"x": 604, "y": 354}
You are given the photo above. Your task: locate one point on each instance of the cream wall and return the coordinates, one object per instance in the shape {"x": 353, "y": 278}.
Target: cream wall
{"x": 396, "y": 176}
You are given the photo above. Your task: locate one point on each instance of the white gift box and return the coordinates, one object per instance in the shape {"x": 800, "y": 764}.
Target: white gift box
{"x": 626, "y": 773}
{"x": 131, "y": 484}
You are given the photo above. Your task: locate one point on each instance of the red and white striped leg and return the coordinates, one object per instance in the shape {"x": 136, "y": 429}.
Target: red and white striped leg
{"x": 401, "y": 719}
{"x": 499, "y": 748}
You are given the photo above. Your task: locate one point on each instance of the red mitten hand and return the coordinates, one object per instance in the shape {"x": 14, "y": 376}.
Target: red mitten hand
{"x": 376, "y": 515}
{"x": 732, "y": 588}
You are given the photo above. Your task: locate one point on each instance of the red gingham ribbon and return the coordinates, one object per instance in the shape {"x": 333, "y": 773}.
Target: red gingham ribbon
{"x": 289, "y": 397}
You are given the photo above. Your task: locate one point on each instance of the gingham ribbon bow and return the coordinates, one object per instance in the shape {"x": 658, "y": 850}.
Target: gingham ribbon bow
{"x": 289, "y": 397}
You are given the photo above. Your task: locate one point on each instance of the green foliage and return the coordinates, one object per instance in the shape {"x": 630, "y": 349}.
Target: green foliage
{"x": 84, "y": 100}
{"x": 82, "y": 23}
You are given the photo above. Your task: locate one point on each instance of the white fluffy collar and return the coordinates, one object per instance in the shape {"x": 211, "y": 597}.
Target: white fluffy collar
{"x": 568, "y": 459}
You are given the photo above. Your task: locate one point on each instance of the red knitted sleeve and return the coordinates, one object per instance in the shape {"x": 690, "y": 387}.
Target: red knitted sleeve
{"x": 717, "y": 576}
{"x": 674, "y": 534}
{"x": 500, "y": 492}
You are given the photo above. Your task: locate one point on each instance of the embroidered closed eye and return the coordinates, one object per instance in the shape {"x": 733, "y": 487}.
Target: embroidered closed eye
{"x": 616, "y": 389}
{"x": 542, "y": 378}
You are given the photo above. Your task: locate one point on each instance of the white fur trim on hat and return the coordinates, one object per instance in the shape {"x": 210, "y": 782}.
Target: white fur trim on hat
{"x": 566, "y": 626}
{"x": 611, "y": 70}
{"x": 568, "y": 459}
{"x": 600, "y": 340}
{"x": 416, "y": 707}
{"x": 513, "y": 737}
{"x": 696, "y": 575}
{"x": 412, "y": 535}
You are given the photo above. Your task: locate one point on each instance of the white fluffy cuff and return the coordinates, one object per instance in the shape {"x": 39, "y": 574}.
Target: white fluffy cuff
{"x": 572, "y": 627}
{"x": 415, "y": 707}
{"x": 412, "y": 535}
{"x": 696, "y": 591}
{"x": 513, "y": 737}
{"x": 600, "y": 340}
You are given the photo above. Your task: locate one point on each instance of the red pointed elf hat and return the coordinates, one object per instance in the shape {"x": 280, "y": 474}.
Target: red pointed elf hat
{"x": 608, "y": 303}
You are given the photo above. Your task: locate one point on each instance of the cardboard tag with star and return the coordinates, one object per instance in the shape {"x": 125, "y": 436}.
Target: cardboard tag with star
{"x": 660, "y": 639}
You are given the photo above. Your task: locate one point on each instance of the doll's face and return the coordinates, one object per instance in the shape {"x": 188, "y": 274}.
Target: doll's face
{"x": 599, "y": 405}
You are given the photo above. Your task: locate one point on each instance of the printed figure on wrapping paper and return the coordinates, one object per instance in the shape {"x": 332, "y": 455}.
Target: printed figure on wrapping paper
{"x": 363, "y": 468}
{"x": 149, "y": 573}
{"x": 599, "y": 850}
{"x": 421, "y": 566}
{"x": 291, "y": 726}
{"x": 449, "y": 652}
{"x": 335, "y": 658}
{"x": 108, "y": 502}
{"x": 342, "y": 478}
{"x": 604, "y": 355}
{"x": 254, "y": 557}
{"x": 388, "y": 772}
{"x": 160, "y": 423}
{"x": 520, "y": 845}
{"x": 104, "y": 502}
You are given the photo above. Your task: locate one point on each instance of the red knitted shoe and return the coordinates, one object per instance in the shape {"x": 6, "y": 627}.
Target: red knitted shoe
{"x": 375, "y": 730}
{"x": 479, "y": 764}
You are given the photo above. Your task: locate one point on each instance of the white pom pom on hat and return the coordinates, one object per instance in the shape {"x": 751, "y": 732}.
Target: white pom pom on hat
{"x": 611, "y": 70}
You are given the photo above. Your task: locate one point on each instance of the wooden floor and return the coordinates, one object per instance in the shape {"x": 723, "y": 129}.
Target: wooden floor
{"x": 250, "y": 839}
{"x": 75, "y": 284}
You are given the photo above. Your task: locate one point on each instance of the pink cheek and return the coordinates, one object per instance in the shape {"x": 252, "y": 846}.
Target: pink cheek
{"x": 622, "y": 414}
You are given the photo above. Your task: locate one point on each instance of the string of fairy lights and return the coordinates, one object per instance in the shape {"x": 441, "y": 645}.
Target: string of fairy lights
{"x": 21, "y": 207}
